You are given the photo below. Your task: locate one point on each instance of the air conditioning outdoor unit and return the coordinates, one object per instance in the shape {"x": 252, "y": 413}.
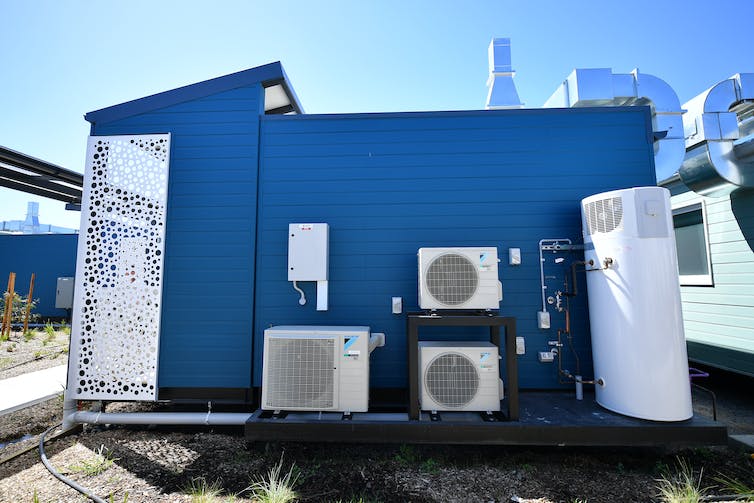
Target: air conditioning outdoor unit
{"x": 459, "y": 376}
{"x": 318, "y": 368}
{"x": 459, "y": 278}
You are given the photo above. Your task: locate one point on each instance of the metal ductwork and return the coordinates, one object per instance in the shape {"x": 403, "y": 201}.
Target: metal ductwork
{"x": 719, "y": 127}
{"x": 502, "y": 91}
{"x": 598, "y": 87}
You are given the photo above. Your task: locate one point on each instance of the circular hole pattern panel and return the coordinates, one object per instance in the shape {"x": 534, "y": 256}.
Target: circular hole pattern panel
{"x": 116, "y": 318}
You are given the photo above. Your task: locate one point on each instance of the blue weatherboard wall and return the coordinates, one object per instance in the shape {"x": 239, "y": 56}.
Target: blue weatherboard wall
{"x": 388, "y": 184}
{"x": 48, "y": 256}
{"x": 208, "y": 287}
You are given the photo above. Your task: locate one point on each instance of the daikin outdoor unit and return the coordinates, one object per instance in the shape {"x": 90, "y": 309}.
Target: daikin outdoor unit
{"x": 638, "y": 343}
{"x": 459, "y": 278}
{"x": 459, "y": 376}
{"x": 319, "y": 368}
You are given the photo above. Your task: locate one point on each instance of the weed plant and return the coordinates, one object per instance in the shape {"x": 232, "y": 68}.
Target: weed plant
{"x": 50, "y": 331}
{"x": 18, "y": 308}
{"x": 100, "y": 462}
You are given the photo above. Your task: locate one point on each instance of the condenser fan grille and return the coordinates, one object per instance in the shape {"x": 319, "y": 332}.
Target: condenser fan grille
{"x": 301, "y": 373}
{"x": 604, "y": 215}
{"x": 451, "y": 380}
{"x": 452, "y": 279}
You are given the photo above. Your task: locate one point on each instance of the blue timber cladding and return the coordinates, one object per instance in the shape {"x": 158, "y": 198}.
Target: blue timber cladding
{"x": 208, "y": 289}
{"x": 48, "y": 256}
{"x": 388, "y": 184}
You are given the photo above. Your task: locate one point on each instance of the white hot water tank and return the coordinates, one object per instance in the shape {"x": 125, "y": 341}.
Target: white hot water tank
{"x": 638, "y": 343}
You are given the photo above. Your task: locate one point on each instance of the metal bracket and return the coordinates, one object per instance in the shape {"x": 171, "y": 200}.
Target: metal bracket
{"x": 561, "y": 247}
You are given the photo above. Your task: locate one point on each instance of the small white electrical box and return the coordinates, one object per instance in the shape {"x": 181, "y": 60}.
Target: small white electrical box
{"x": 514, "y": 256}
{"x": 397, "y": 304}
{"x": 308, "y": 251}
{"x": 543, "y": 319}
{"x": 520, "y": 346}
{"x": 546, "y": 356}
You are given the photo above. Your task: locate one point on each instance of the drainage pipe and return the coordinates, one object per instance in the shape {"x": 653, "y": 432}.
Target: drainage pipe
{"x": 162, "y": 418}
{"x": 43, "y": 456}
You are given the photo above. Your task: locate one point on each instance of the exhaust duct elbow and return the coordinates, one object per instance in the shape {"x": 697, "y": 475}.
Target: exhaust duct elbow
{"x": 598, "y": 87}
{"x": 719, "y": 138}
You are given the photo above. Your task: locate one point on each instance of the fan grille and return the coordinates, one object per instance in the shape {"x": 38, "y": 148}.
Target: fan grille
{"x": 451, "y": 380}
{"x": 604, "y": 215}
{"x": 300, "y": 373}
{"x": 452, "y": 279}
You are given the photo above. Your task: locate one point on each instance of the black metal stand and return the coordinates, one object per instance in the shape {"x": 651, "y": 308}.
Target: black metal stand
{"x": 416, "y": 320}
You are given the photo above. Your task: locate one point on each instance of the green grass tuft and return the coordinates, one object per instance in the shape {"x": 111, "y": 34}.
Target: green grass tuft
{"x": 276, "y": 487}
{"x": 202, "y": 491}
{"x": 734, "y": 486}
{"x": 681, "y": 486}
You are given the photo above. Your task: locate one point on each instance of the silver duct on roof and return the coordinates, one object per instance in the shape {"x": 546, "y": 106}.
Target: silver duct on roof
{"x": 596, "y": 87}
{"x": 502, "y": 91}
{"x": 719, "y": 127}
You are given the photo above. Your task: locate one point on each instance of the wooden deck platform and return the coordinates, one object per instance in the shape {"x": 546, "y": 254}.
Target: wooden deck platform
{"x": 546, "y": 418}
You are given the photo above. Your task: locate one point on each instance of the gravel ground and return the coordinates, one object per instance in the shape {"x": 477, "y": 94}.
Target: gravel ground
{"x": 159, "y": 465}
{"x": 20, "y": 355}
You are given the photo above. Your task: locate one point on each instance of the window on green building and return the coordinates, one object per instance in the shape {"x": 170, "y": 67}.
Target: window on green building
{"x": 692, "y": 242}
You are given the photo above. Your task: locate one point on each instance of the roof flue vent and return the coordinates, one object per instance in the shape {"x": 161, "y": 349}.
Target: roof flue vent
{"x": 502, "y": 91}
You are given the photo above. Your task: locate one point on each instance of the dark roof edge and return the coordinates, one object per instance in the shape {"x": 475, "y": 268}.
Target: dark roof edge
{"x": 270, "y": 72}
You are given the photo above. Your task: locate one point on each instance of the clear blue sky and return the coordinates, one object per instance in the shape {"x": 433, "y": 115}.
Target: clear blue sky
{"x": 60, "y": 59}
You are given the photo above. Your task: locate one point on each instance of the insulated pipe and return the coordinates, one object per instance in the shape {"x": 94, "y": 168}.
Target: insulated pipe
{"x": 166, "y": 418}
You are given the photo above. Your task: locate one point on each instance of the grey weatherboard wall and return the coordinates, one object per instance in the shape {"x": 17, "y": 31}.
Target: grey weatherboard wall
{"x": 719, "y": 319}
{"x": 388, "y": 184}
{"x": 48, "y": 256}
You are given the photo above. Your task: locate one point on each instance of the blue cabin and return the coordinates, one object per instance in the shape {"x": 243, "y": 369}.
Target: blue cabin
{"x": 246, "y": 162}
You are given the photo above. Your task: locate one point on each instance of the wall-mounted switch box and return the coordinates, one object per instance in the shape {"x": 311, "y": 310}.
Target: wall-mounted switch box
{"x": 543, "y": 319}
{"x": 514, "y": 256}
{"x": 308, "y": 250}
{"x": 397, "y": 304}
{"x": 520, "y": 346}
{"x": 64, "y": 293}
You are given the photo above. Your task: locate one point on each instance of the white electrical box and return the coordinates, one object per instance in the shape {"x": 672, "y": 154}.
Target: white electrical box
{"x": 308, "y": 251}
{"x": 543, "y": 319}
{"x": 64, "y": 293}
{"x": 514, "y": 256}
{"x": 520, "y": 346}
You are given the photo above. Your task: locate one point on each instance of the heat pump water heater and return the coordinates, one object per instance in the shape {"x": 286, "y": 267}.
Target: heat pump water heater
{"x": 638, "y": 343}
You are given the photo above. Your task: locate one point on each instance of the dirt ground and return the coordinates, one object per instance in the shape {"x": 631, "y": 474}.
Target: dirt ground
{"x": 158, "y": 465}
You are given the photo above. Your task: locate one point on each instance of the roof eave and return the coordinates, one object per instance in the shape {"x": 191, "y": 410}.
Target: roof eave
{"x": 266, "y": 75}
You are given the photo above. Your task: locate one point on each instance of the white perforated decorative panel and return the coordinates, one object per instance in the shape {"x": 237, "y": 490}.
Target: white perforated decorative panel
{"x": 118, "y": 293}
